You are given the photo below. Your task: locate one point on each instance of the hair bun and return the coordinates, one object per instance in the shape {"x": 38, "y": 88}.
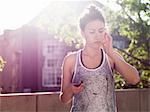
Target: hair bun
{"x": 91, "y": 13}
{"x": 92, "y": 8}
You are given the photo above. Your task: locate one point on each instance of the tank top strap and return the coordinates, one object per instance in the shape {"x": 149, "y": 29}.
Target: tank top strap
{"x": 76, "y": 63}
{"x": 108, "y": 63}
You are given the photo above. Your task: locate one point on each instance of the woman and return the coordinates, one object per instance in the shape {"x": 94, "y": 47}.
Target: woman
{"x": 88, "y": 72}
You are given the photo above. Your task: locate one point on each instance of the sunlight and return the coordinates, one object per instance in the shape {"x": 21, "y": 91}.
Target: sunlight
{"x": 111, "y": 4}
{"x": 15, "y": 13}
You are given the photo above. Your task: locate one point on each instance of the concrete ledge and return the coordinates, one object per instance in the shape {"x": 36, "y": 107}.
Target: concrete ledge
{"x": 18, "y": 103}
{"x": 51, "y": 103}
{"x": 128, "y": 100}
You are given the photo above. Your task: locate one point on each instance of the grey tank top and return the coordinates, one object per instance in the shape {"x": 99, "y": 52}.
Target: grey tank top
{"x": 98, "y": 94}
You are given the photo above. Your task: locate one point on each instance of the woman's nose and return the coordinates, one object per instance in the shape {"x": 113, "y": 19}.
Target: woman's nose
{"x": 97, "y": 35}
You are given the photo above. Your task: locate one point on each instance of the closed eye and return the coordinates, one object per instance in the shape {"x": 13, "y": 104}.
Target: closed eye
{"x": 100, "y": 31}
{"x": 91, "y": 31}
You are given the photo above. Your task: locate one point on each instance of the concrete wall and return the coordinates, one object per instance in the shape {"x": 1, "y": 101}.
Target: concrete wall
{"x": 32, "y": 102}
{"x": 136, "y": 100}
{"x": 130, "y": 100}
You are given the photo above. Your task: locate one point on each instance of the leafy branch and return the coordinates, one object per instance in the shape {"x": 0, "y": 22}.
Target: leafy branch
{"x": 144, "y": 62}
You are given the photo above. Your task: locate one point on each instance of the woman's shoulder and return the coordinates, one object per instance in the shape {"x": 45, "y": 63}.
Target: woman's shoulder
{"x": 70, "y": 60}
{"x": 71, "y": 57}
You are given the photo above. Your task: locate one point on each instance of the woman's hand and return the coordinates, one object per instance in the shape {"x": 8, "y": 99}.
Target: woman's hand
{"x": 77, "y": 88}
{"x": 107, "y": 44}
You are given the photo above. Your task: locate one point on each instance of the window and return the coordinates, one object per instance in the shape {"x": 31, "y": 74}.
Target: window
{"x": 51, "y": 62}
{"x": 50, "y": 49}
{"x": 50, "y": 78}
{"x": 51, "y": 72}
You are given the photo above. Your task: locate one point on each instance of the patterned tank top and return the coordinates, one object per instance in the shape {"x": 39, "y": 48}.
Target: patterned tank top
{"x": 98, "y": 94}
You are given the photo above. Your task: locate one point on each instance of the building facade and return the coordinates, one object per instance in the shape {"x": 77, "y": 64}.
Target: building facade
{"x": 34, "y": 59}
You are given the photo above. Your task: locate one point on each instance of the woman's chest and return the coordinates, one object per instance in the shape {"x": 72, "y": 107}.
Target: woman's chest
{"x": 93, "y": 62}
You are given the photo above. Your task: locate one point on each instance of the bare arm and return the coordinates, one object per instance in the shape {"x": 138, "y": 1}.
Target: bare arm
{"x": 67, "y": 88}
{"x": 129, "y": 72}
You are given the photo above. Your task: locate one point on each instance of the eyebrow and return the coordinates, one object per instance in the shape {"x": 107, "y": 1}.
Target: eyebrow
{"x": 98, "y": 29}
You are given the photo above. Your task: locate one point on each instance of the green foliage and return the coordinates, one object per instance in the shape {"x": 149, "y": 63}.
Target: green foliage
{"x": 119, "y": 82}
{"x": 135, "y": 25}
{"x": 2, "y": 64}
{"x": 72, "y": 36}
{"x": 145, "y": 79}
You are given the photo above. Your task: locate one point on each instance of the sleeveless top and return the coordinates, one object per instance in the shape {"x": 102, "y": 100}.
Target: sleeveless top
{"x": 99, "y": 92}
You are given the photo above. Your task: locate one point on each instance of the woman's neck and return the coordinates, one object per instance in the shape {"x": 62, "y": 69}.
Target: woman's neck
{"x": 91, "y": 50}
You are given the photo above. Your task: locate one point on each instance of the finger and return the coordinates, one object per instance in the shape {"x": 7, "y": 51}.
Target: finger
{"x": 108, "y": 38}
{"x": 104, "y": 39}
{"x": 78, "y": 84}
{"x": 78, "y": 89}
{"x": 81, "y": 87}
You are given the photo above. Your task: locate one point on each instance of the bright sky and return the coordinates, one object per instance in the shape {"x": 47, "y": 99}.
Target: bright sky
{"x": 15, "y": 13}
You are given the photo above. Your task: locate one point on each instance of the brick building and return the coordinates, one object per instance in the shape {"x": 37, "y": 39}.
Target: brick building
{"x": 34, "y": 60}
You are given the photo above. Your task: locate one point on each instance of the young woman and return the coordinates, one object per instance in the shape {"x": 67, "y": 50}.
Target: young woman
{"x": 88, "y": 72}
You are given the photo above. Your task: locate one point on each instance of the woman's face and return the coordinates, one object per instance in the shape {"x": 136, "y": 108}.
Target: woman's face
{"x": 94, "y": 32}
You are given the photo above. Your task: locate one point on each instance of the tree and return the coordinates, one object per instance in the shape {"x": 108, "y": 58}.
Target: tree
{"x": 133, "y": 22}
